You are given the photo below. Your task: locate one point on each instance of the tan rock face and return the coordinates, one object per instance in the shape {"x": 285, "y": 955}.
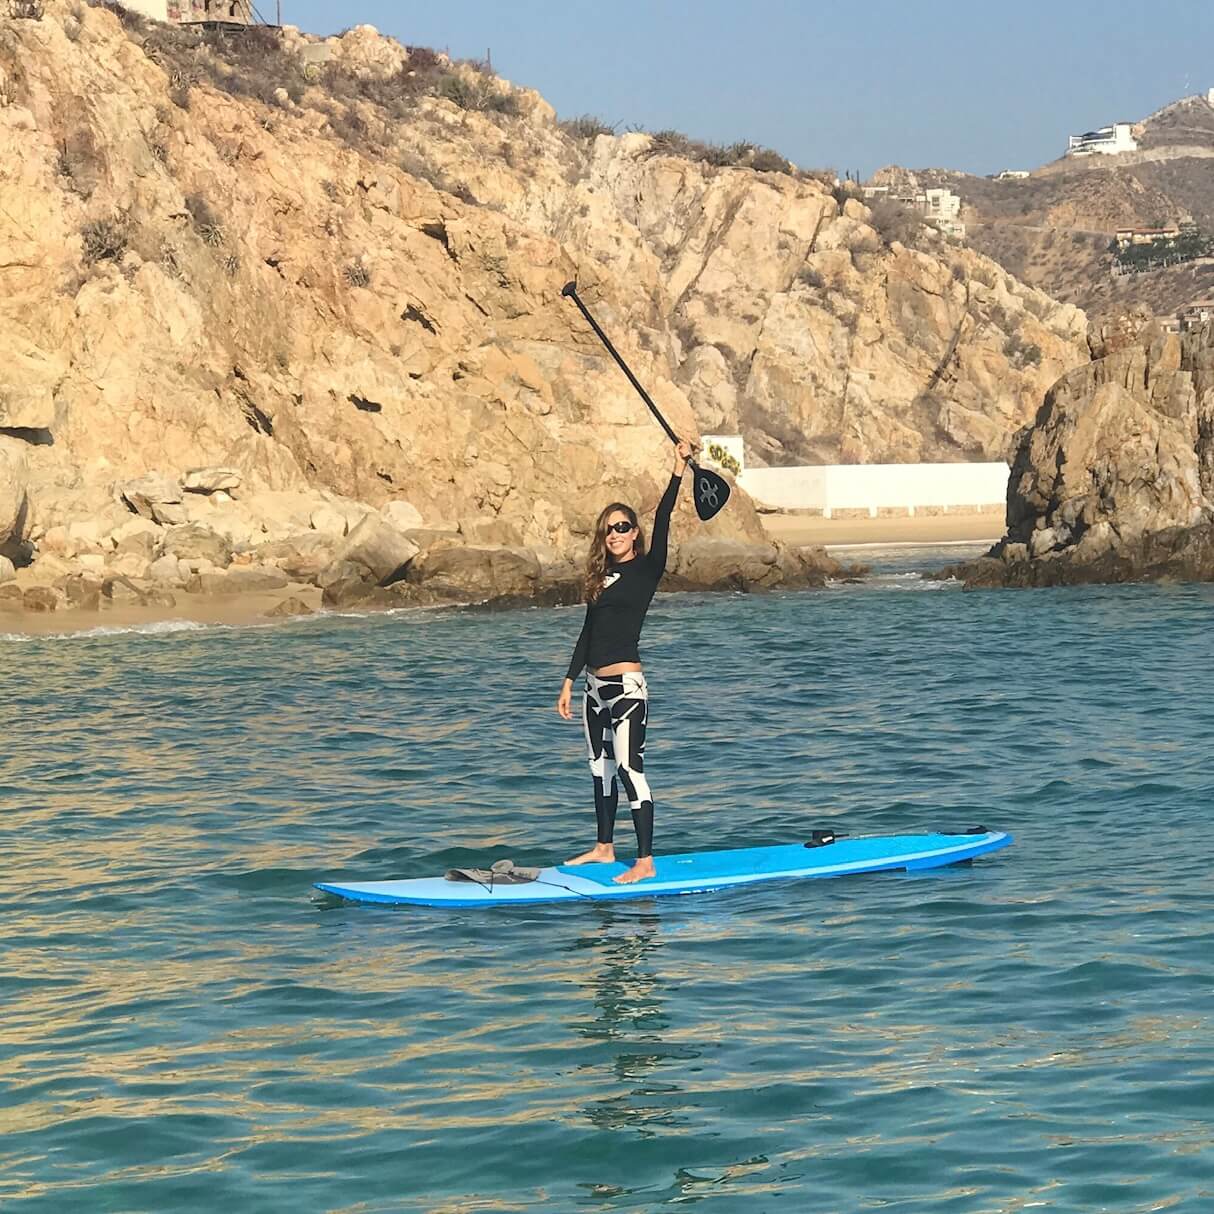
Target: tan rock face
{"x": 1115, "y": 480}
{"x": 262, "y": 289}
{"x": 1124, "y": 441}
{"x": 14, "y": 491}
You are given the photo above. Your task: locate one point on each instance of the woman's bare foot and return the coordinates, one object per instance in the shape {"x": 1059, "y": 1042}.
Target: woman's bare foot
{"x": 641, "y": 870}
{"x": 600, "y": 853}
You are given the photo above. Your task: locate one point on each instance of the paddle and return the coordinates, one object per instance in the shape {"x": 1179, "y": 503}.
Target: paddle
{"x": 711, "y": 491}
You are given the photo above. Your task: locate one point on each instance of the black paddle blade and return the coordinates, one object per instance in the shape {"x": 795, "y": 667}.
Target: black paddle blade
{"x": 711, "y": 492}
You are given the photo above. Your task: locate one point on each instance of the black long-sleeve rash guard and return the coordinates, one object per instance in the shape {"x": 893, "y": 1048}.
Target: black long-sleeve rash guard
{"x": 612, "y": 630}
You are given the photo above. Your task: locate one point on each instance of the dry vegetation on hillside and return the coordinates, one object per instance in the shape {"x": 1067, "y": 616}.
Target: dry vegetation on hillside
{"x": 1187, "y": 123}
{"x": 1053, "y": 229}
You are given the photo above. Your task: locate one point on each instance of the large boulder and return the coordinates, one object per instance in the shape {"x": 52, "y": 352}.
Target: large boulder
{"x": 237, "y": 579}
{"x": 211, "y": 480}
{"x": 14, "y": 496}
{"x": 83, "y": 591}
{"x": 42, "y": 598}
{"x": 194, "y": 541}
{"x": 379, "y": 548}
{"x": 722, "y": 564}
{"x": 330, "y": 521}
{"x": 138, "y": 535}
{"x": 153, "y": 497}
{"x": 402, "y": 515}
{"x": 478, "y": 573}
{"x": 359, "y": 593}
{"x": 278, "y": 514}
{"x": 165, "y": 569}
{"x": 122, "y": 590}
{"x": 341, "y": 571}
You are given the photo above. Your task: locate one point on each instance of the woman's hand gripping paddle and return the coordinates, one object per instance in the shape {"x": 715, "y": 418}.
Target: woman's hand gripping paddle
{"x": 711, "y": 491}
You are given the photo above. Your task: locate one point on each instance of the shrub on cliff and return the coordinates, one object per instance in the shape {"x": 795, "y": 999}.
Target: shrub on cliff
{"x": 585, "y": 127}
{"x": 764, "y": 160}
{"x": 478, "y": 93}
{"x": 206, "y": 223}
{"x": 1021, "y": 353}
{"x": 739, "y": 155}
{"x": 105, "y": 239}
{"x": 892, "y": 221}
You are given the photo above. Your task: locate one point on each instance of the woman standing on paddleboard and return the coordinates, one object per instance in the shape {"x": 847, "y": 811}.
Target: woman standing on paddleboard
{"x": 621, "y": 577}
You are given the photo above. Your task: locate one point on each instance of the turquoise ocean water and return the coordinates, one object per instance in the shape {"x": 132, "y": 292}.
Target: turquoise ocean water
{"x": 185, "y": 1028}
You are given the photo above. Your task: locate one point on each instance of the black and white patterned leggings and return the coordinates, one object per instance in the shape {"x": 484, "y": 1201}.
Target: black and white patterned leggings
{"x": 615, "y": 710}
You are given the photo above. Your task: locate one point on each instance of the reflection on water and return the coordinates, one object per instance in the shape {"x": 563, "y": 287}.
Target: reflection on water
{"x": 625, "y": 980}
{"x": 185, "y": 1029}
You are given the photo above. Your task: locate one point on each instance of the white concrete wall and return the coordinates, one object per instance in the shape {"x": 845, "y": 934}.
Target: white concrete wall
{"x": 159, "y": 9}
{"x": 877, "y": 487}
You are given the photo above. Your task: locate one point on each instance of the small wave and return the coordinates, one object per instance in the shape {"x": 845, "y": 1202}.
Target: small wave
{"x": 155, "y": 628}
{"x": 903, "y": 546}
{"x": 893, "y": 581}
{"x": 378, "y": 613}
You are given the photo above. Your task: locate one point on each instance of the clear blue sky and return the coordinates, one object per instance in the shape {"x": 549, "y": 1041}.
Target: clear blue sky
{"x": 848, "y": 85}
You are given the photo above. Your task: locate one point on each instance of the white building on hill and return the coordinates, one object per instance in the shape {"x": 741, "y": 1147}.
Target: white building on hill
{"x": 941, "y": 206}
{"x": 1108, "y": 141}
{"x": 944, "y": 208}
{"x": 188, "y": 12}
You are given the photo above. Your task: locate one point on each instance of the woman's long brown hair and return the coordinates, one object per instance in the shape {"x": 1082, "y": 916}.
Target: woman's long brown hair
{"x": 597, "y": 564}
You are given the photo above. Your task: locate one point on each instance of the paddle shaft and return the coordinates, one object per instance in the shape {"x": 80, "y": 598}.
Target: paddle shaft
{"x": 571, "y": 291}
{"x": 711, "y": 492}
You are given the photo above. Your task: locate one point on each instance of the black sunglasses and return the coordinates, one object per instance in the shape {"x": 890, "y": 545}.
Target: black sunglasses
{"x": 620, "y": 528}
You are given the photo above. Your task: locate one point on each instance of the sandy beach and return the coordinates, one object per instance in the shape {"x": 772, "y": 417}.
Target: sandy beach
{"x": 234, "y": 611}
{"x": 801, "y": 529}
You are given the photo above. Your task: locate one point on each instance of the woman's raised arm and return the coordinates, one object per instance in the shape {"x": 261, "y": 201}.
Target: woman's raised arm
{"x": 656, "y": 556}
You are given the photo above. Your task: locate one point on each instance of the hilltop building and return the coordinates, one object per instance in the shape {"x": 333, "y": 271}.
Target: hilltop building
{"x": 1210, "y": 96}
{"x": 1012, "y": 175}
{"x": 1107, "y": 141}
{"x": 192, "y": 12}
{"x": 1131, "y": 236}
{"x": 941, "y": 206}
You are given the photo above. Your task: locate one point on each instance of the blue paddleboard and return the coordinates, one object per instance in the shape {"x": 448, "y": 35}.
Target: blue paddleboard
{"x": 692, "y": 873}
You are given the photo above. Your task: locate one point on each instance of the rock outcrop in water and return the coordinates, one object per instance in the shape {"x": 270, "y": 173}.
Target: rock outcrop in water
{"x": 337, "y": 291}
{"x": 1115, "y": 480}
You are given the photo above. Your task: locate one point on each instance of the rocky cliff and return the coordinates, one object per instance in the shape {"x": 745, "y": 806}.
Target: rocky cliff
{"x": 1115, "y": 480}
{"x": 323, "y": 278}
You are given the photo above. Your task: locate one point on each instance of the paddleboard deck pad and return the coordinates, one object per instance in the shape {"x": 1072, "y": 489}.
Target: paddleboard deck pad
{"x": 692, "y": 873}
